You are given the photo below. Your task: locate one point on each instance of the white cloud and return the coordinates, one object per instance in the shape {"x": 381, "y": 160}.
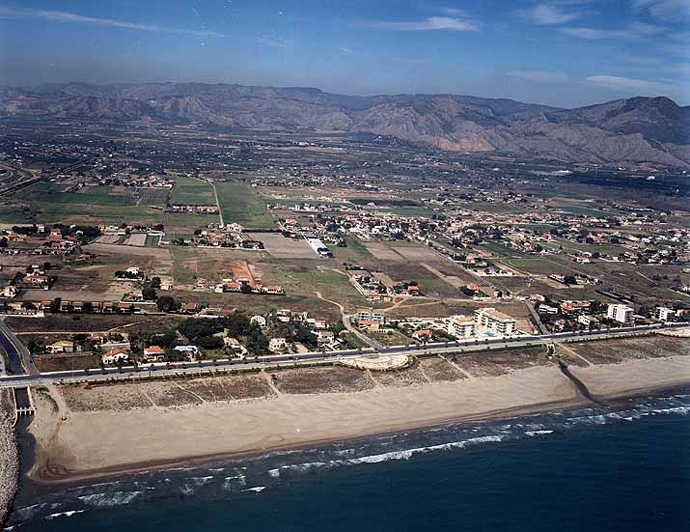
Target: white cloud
{"x": 666, "y": 10}
{"x": 430, "y": 23}
{"x": 634, "y": 31}
{"x": 73, "y": 18}
{"x": 549, "y": 14}
{"x": 631, "y": 84}
{"x": 541, "y": 76}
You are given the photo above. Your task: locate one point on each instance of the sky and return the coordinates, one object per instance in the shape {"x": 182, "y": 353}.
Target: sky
{"x": 558, "y": 52}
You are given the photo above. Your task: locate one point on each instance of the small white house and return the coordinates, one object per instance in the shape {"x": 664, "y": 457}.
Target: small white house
{"x": 277, "y": 344}
{"x": 324, "y": 337}
{"x": 233, "y": 345}
{"x": 191, "y": 351}
{"x": 258, "y": 320}
{"x": 114, "y": 356}
{"x": 154, "y": 353}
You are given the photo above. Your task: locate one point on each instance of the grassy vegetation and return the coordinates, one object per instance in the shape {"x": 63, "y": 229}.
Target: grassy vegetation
{"x": 152, "y": 241}
{"x": 355, "y": 252}
{"x": 580, "y": 210}
{"x": 421, "y": 212}
{"x": 50, "y": 203}
{"x": 11, "y": 214}
{"x": 191, "y": 221}
{"x": 192, "y": 192}
{"x": 54, "y": 193}
{"x": 241, "y": 204}
{"x": 77, "y": 213}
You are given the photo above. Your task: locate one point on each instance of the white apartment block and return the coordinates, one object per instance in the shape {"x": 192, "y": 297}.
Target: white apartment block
{"x": 370, "y": 315}
{"x": 495, "y": 321}
{"x": 664, "y": 313}
{"x": 620, "y": 313}
{"x": 460, "y": 327}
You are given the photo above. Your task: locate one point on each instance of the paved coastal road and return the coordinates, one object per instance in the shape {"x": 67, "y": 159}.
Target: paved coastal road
{"x": 209, "y": 366}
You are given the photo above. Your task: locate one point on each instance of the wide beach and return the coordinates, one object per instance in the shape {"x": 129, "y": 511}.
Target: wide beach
{"x": 88, "y": 433}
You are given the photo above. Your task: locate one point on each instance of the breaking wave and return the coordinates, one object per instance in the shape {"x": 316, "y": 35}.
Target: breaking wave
{"x": 222, "y": 481}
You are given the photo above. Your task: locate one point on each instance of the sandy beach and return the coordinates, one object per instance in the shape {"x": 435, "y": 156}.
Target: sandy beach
{"x": 72, "y": 445}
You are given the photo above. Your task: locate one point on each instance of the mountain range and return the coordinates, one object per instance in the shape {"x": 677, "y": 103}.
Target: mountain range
{"x": 634, "y": 130}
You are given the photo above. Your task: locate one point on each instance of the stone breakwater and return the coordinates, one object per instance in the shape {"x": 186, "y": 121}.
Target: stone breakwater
{"x": 9, "y": 459}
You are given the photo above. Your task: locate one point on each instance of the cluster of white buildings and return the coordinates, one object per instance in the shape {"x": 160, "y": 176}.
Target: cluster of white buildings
{"x": 487, "y": 321}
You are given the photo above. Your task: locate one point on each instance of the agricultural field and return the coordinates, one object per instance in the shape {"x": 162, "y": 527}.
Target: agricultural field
{"x": 13, "y": 214}
{"x": 189, "y": 191}
{"x": 182, "y": 221}
{"x": 95, "y": 204}
{"x": 240, "y": 204}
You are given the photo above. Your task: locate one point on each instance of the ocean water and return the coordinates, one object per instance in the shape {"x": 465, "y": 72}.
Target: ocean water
{"x": 592, "y": 469}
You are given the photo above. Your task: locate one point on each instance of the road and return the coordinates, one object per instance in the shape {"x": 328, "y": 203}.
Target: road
{"x": 535, "y": 317}
{"x": 209, "y": 366}
{"x": 220, "y": 212}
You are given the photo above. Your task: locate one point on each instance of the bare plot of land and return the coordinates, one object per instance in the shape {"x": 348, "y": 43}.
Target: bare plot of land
{"x": 382, "y": 252}
{"x": 108, "y": 239}
{"x": 450, "y": 279}
{"x": 417, "y": 253}
{"x": 68, "y": 295}
{"x": 285, "y": 248}
{"x": 133, "y": 251}
{"x": 66, "y": 362}
{"x": 91, "y": 323}
{"x": 138, "y": 239}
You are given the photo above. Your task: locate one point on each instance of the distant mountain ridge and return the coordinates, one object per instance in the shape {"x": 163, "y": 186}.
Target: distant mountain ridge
{"x": 634, "y": 130}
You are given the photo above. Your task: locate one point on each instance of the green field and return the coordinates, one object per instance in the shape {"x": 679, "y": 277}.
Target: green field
{"x": 355, "y": 251}
{"x": 54, "y": 193}
{"x": 51, "y": 203}
{"x": 192, "y": 192}
{"x": 240, "y": 204}
{"x": 11, "y": 214}
{"x": 189, "y": 221}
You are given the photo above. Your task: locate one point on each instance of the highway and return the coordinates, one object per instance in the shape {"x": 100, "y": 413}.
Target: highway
{"x": 210, "y": 366}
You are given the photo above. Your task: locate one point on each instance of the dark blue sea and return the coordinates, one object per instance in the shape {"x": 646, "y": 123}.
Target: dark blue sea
{"x": 625, "y": 468}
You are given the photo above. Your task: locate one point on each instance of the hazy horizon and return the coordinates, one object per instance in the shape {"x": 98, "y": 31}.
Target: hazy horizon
{"x": 565, "y": 53}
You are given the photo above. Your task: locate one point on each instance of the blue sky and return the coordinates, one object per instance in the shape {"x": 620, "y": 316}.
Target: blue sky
{"x": 559, "y": 52}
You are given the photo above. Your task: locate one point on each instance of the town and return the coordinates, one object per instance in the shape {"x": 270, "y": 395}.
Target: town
{"x": 318, "y": 248}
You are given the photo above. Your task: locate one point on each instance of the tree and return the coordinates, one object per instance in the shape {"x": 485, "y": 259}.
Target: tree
{"x": 246, "y": 288}
{"x": 149, "y": 294}
{"x": 55, "y": 304}
{"x": 166, "y": 303}
{"x": 570, "y": 279}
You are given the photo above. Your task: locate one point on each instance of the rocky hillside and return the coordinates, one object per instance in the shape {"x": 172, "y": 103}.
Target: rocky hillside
{"x": 634, "y": 130}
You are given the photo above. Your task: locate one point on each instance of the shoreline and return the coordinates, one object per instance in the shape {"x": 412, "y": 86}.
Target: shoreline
{"x": 270, "y": 423}
{"x": 201, "y": 460}
{"x": 115, "y": 472}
